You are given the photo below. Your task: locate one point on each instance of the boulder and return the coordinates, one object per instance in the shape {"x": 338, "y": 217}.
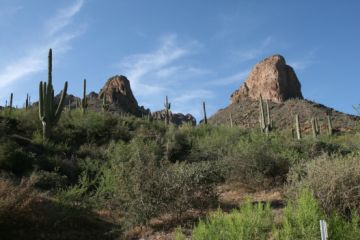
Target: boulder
{"x": 273, "y": 79}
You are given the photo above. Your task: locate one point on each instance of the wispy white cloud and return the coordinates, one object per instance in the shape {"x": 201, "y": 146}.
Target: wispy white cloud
{"x": 305, "y": 61}
{"x": 234, "y": 78}
{"x": 166, "y": 71}
{"x": 192, "y": 95}
{"x": 63, "y": 18}
{"x": 34, "y": 59}
{"x": 158, "y": 63}
{"x": 252, "y": 53}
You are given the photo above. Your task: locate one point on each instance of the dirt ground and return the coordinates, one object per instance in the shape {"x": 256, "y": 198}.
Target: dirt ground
{"x": 231, "y": 195}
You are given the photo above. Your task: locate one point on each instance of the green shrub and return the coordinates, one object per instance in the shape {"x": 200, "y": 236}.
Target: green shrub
{"x": 13, "y": 158}
{"x": 137, "y": 180}
{"x": 259, "y": 160}
{"x": 333, "y": 180}
{"x": 250, "y": 222}
{"x": 340, "y": 229}
{"x": 301, "y": 219}
{"x": 49, "y": 180}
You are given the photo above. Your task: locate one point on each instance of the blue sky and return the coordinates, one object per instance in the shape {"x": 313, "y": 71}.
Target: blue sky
{"x": 190, "y": 50}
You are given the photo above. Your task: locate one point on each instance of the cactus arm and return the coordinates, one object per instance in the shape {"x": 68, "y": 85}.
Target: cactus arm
{"x": 262, "y": 114}
{"x": 61, "y": 103}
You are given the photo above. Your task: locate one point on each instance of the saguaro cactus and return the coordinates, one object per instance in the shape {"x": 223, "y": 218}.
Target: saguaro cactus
{"x": 261, "y": 114}
{"x": 104, "y": 106}
{"x": 27, "y": 101}
{"x": 11, "y": 100}
{"x": 84, "y": 103}
{"x": 231, "y": 120}
{"x": 167, "y": 106}
{"x": 315, "y": 127}
{"x": 330, "y": 128}
{"x": 269, "y": 121}
{"x": 264, "y": 126}
{"x": 47, "y": 113}
{"x": 297, "y": 127}
{"x": 204, "y": 111}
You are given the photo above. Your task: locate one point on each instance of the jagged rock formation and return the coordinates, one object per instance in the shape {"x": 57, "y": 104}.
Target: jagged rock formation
{"x": 175, "y": 118}
{"x": 273, "y": 79}
{"x": 92, "y": 95}
{"x": 118, "y": 94}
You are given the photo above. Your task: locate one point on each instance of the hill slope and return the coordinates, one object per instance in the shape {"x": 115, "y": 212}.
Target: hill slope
{"x": 245, "y": 114}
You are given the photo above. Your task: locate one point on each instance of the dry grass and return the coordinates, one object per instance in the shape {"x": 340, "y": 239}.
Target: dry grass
{"x": 335, "y": 182}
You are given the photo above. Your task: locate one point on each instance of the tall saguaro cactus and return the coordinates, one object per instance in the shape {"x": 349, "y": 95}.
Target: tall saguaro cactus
{"x": 204, "y": 110}
{"x": 84, "y": 103}
{"x": 27, "y": 101}
{"x": 49, "y": 113}
{"x": 11, "y": 100}
{"x": 167, "y": 106}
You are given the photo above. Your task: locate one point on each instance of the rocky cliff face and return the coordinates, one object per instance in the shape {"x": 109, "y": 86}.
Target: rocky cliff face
{"x": 273, "y": 79}
{"x": 118, "y": 95}
{"x": 175, "y": 118}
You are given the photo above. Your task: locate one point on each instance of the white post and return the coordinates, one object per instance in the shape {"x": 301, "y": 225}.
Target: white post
{"x": 323, "y": 230}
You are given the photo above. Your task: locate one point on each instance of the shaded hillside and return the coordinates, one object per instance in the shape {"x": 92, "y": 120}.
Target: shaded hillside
{"x": 245, "y": 114}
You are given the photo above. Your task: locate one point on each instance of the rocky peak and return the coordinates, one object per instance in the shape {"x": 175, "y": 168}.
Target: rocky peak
{"x": 117, "y": 92}
{"x": 273, "y": 79}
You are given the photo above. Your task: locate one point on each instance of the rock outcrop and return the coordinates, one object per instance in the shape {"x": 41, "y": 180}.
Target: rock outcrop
{"x": 273, "y": 79}
{"x": 119, "y": 96}
{"x": 175, "y": 118}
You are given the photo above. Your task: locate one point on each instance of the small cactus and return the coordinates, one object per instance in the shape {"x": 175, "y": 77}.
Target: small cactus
{"x": 314, "y": 128}
{"x": 204, "y": 111}
{"x": 105, "y": 106}
{"x": 297, "y": 127}
{"x": 330, "y": 127}
{"x": 167, "y": 106}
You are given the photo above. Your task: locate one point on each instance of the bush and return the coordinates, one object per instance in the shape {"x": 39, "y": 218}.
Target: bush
{"x": 260, "y": 161}
{"x": 49, "y": 180}
{"x": 137, "y": 180}
{"x": 334, "y": 181}
{"x": 250, "y": 222}
{"x": 13, "y": 158}
{"x": 301, "y": 219}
